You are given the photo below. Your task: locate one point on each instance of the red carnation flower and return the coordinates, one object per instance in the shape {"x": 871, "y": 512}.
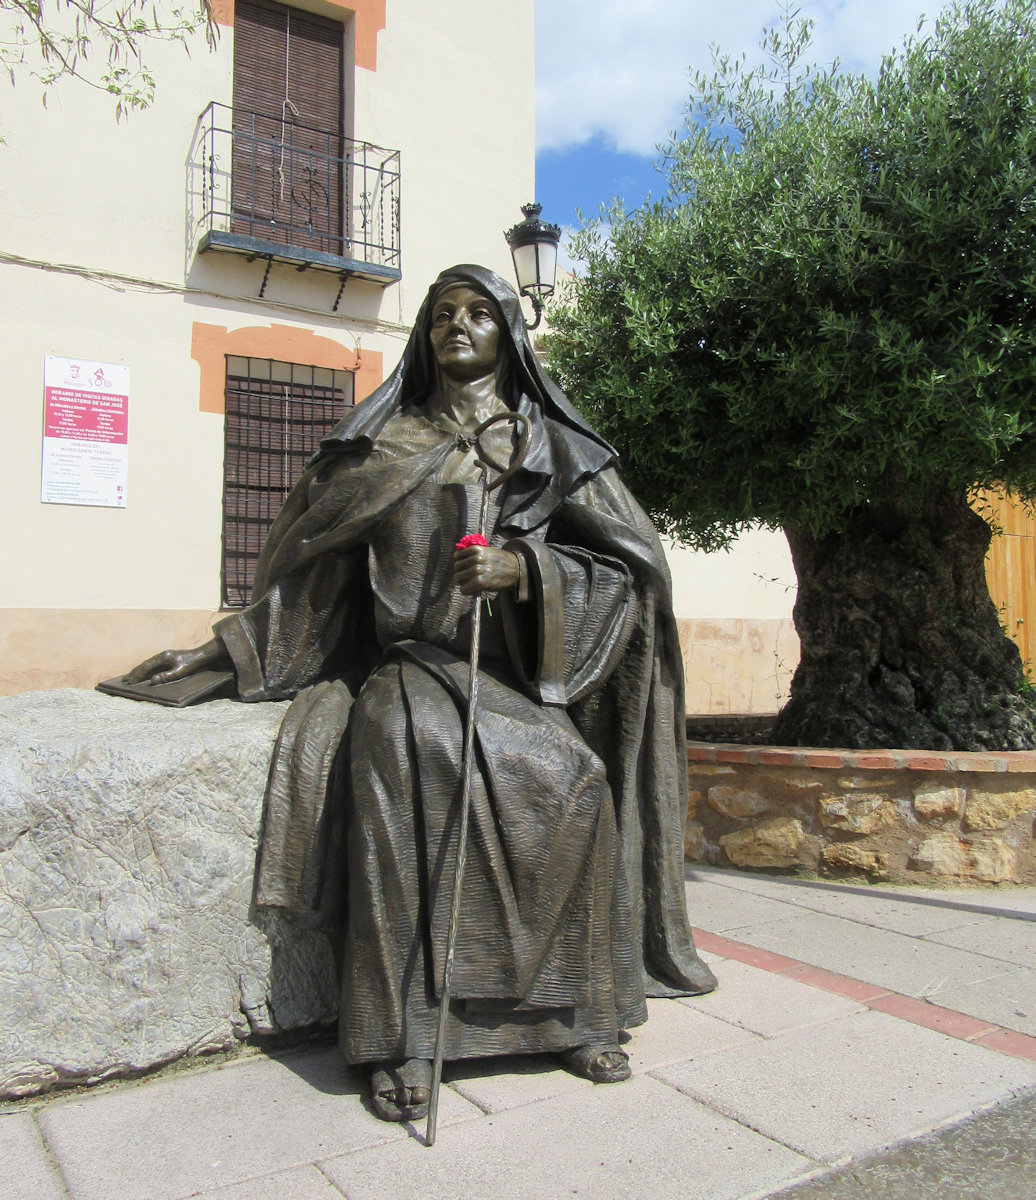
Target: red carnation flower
{"x": 471, "y": 539}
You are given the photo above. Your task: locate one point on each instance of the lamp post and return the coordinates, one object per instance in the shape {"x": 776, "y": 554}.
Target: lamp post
{"x": 534, "y": 248}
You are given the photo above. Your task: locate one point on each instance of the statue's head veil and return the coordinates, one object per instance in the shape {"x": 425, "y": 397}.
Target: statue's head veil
{"x": 564, "y": 448}
{"x": 414, "y": 376}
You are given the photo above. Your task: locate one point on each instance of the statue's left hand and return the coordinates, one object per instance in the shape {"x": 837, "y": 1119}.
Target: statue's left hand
{"x": 484, "y": 569}
{"x": 178, "y": 664}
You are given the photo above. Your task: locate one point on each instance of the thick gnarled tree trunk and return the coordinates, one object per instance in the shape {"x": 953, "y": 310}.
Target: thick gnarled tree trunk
{"x": 901, "y": 643}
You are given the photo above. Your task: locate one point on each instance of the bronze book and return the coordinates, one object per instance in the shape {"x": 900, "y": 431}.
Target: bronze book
{"x": 202, "y": 685}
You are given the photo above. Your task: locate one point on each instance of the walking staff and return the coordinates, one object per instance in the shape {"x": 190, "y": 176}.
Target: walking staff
{"x": 485, "y": 461}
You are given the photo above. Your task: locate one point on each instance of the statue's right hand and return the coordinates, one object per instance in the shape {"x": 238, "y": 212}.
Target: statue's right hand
{"x": 178, "y": 664}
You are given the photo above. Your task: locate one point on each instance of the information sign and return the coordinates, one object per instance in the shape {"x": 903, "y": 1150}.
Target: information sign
{"x": 85, "y": 432}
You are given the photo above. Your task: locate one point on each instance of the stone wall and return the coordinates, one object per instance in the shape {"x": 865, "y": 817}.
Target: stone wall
{"x": 898, "y": 815}
{"x": 128, "y": 837}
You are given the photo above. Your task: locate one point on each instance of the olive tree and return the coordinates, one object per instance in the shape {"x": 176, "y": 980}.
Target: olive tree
{"x": 828, "y": 325}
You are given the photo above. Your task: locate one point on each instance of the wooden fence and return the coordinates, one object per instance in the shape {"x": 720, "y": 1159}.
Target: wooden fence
{"x": 1011, "y": 568}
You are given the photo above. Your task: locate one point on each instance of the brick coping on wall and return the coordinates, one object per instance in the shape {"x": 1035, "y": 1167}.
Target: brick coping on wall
{"x": 1010, "y": 761}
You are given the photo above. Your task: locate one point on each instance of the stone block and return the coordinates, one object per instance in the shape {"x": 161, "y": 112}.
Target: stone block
{"x": 128, "y": 837}
{"x": 938, "y": 802}
{"x": 942, "y": 854}
{"x": 993, "y": 861}
{"x": 778, "y": 842}
{"x": 693, "y": 842}
{"x": 693, "y": 800}
{"x": 738, "y": 802}
{"x": 871, "y": 782}
{"x": 997, "y": 809}
{"x": 857, "y": 812}
{"x": 848, "y": 856}
{"x": 797, "y": 782}
{"x": 990, "y": 860}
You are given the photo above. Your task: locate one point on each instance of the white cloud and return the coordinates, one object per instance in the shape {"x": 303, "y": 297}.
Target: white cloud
{"x": 619, "y": 68}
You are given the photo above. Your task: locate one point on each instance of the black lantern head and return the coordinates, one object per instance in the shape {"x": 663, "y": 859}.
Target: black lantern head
{"x": 534, "y": 248}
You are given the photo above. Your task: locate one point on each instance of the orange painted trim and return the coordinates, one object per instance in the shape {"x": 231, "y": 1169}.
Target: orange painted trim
{"x": 210, "y": 344}
{"x": 370, "y": 21}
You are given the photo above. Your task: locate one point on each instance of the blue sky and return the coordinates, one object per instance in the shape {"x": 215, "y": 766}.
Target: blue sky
{"x": 612, "y": 80}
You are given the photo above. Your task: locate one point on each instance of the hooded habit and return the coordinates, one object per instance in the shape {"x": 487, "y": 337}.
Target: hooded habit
{"x": 573, "y": 901}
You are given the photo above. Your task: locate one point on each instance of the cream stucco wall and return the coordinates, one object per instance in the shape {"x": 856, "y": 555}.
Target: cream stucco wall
{"x": 733, "y": 610}
{"x": 455, "y": 85}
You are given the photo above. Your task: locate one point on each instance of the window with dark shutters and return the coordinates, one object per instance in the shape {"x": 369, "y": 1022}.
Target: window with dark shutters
{"x": 288, "y": 123}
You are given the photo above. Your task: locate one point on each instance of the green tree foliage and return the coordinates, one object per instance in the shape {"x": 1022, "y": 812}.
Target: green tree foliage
{"x": 836, "y": 291}
{"x": 99, "y": 42}
{"x": 827, "y": 325}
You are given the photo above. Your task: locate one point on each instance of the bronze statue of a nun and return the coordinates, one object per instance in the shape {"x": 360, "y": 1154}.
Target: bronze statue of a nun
{"x": 572, "y": 902}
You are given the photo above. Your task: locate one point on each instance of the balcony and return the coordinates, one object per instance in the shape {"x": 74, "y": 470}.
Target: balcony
{"x": 275, "y": 190}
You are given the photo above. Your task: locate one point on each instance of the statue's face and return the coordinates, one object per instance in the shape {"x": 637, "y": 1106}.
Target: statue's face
{"x": 465, "y": 333}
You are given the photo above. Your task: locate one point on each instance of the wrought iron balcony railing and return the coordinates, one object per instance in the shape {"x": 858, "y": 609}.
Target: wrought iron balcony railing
{"x": 274, "y": 189}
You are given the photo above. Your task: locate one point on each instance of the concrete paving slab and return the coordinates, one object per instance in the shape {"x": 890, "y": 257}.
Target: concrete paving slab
{"x": 904, "y": 964}
{"x": 747, "y": 881}
{"x": 768, "y": 1004}
{"x": 26, "y": 1172}
{"x": 300, "y": 1183}
{"x": 677, "y": 1032}
{"x": 638, "y": 1140}
{"x": 1008, "y": 999}
{"x": 1022, "y": 899}
{"x": 673, "y": 1033}
{"x": 497, "y": 1084}
{"x": 852, "y": 1086}
{"x": 923, "y": 912}
{"x": 723, "y": 908}
{"x": 916, "y": 916}
{"x": 762, "y": 883}
{"x": 910, "y": 911}
{"x": 790, "y": 888}
{"x": 208, "y": 1129}
{"x": 1002, "y": 939}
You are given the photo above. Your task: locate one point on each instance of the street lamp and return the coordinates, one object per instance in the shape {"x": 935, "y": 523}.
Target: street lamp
{"x": 534, "y": 248}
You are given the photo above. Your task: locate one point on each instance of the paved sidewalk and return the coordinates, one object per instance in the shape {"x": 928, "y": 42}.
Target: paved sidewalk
{"x": 848, "y": 1020}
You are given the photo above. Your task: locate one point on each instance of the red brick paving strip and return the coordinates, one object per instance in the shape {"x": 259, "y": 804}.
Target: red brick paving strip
{"x": 906, "y": 1008}
{"x": 1009, "y": 1041}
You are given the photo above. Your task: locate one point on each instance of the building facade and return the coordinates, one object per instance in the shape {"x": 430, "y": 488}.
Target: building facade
{"x": 242, "y": 260}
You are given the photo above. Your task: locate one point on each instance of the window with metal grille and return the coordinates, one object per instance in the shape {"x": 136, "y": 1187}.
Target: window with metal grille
{"x": 276, "y": 414}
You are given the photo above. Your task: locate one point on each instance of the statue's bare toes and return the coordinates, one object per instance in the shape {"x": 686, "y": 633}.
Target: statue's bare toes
{"x": 599, "y": 1064}
{"x": 401, "y": 1091}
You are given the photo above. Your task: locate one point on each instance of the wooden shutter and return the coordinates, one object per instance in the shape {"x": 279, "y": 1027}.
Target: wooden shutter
{"x": 288, "y": 126}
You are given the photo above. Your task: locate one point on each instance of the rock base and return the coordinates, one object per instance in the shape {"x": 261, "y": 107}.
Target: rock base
{"x": 897, "y": 815}
{"x": 128, "y": 837}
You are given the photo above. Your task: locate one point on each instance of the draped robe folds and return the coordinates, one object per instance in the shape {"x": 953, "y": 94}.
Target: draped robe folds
{"x": 572, "y": 902}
